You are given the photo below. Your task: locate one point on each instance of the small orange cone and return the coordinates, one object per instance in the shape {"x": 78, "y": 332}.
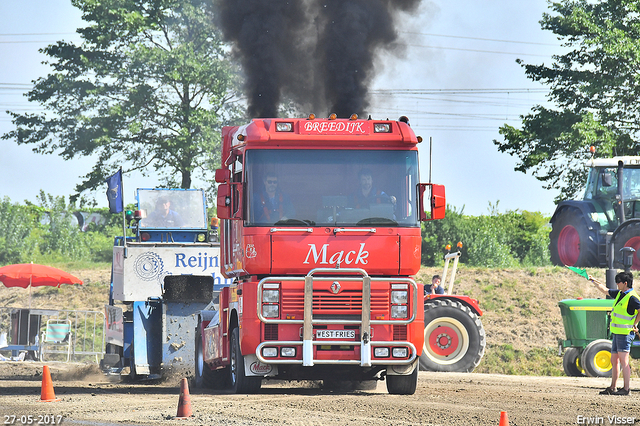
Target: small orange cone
{"x": 504, "y": 419}
{"x": 184, "y": 403}
{"x": 47, "y": 394}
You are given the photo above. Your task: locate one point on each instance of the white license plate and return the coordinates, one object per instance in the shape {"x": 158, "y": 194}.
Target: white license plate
{"x": 335, "y": 334}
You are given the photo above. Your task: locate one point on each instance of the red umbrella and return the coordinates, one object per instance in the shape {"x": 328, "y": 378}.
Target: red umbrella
{"x": 32, "y": 275}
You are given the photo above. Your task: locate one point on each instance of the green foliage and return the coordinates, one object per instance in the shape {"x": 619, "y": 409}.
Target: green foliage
{"x": 49, "y": 233}
{"x": 149, "y": 87}
{"x": 594, "y": 87}
{"x": 504, "y": 359}
{"x": 500, "y": 240}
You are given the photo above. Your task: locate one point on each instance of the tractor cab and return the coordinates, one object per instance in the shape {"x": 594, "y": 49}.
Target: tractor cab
{"x": 612, "y": 182}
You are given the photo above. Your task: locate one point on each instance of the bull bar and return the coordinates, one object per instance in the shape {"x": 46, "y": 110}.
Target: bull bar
{"x": 365, "y": 322}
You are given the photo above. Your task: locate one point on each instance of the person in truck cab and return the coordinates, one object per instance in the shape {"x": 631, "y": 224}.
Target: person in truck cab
{"x": 163, "y": 216}
{"x": 271, "y": 204}
{"x": 367, "y": 194}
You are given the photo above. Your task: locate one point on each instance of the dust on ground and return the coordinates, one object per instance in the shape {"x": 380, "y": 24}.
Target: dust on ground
{"x": 449, "y": 399}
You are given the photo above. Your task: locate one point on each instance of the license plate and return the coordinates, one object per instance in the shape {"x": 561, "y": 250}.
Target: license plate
{"x": 335, "y": 334}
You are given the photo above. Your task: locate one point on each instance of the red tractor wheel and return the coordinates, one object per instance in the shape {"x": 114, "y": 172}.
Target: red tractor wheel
{"x": 572, "y": 242}
{"x": 629, "y": 236}
{"x": 454, "y": 339}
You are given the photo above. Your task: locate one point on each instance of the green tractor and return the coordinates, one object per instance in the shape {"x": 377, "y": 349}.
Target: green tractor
{"x": 587, "y": 347}
{"x": 587, "y": 232}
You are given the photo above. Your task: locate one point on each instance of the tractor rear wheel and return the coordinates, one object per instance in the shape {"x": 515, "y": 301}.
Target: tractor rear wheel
{"x": 629, "y": 236}
{"x": 571, "y": 363}
{"x": 572, "y": 243}
{"x": 596, "y": 358}
{"x": 454, "y": 339}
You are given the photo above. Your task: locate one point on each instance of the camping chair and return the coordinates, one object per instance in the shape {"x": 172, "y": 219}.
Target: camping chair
{"x": 56, "y": 334}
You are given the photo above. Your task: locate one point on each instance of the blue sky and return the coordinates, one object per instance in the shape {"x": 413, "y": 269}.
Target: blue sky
{"x": 457, "y": 81}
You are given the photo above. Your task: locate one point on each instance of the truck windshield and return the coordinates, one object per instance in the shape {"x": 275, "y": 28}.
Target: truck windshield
{"x": 331, "y": 188}
{"x": 172, "y": 209}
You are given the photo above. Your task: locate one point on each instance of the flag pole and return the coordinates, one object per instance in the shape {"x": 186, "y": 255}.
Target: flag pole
{"x": 124, "y": 215}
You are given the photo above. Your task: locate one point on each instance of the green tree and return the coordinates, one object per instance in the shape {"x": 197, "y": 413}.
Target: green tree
{"x": 149, "y": 87}
{"x": 594, "y": 87}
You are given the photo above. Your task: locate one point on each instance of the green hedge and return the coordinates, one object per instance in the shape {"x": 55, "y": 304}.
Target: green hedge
{"x": 514, "y": 238}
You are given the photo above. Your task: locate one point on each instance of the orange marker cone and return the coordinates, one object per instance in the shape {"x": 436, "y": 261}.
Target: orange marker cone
{"x": 504, "y": 419}
{"x": 47, "y": 394}
{"x": 184, "y": 403}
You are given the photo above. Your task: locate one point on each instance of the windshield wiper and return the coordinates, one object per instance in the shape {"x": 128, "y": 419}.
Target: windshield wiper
{"x": 377, "y": 221}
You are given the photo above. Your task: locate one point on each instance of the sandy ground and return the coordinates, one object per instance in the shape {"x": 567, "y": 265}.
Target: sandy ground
{"x": 88, "y": 397}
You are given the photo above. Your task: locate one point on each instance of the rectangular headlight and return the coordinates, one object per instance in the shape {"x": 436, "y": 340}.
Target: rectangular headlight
{"x": 284, "y": 127}
{"x": 269, "y": 352}
{"x": 382, "y": 128}
{"x": 400, "y": 352}
{"x": 270, "y": 296}
{"x": 288, "y": 352}
{"x": 270, "y": 311}
{"x": 400, "y": 297}
{"x": 381, "y": 352}
{"x": 399, "y": 311}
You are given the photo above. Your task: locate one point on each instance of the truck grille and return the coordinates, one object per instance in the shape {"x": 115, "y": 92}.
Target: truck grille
{"x": 347, "y": 302}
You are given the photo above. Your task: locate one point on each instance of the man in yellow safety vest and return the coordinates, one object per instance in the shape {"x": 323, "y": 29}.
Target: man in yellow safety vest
{"x": 624, "y": 327}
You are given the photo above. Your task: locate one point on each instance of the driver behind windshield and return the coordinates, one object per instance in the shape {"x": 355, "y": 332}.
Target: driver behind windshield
{"x": 367, "y": 194}
{"x": 270, "y": 204}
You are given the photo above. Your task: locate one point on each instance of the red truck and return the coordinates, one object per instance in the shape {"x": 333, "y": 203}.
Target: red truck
{"x": 320, "y": 232}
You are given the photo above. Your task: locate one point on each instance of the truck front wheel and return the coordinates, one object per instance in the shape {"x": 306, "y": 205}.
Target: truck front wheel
{"x": 240, "y": 383}
{"x": 402, "y": 385}
{"x": 454, "y": 339}
{"x": 205, "y": 377}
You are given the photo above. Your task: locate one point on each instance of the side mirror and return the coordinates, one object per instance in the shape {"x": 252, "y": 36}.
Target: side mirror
{"x": 229, "y": 202}
{"x": 606, "y": 179}
{"x": 223, "y": 175}
{"x": 438, "y": 202}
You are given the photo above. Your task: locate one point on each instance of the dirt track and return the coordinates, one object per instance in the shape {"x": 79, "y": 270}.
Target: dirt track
{"x": 88, "y": 397}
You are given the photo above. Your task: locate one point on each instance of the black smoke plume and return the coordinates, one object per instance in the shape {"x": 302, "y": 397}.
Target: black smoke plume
{"x": 318, "y": 53}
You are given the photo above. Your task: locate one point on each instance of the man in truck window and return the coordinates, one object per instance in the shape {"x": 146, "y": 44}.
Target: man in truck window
{"x": 367, "y": 194}
{"x": 271, "y": 204}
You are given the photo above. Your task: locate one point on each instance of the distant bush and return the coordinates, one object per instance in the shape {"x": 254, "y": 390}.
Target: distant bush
{"x": 49, "y": 233}
{"x": 505, "y": 240}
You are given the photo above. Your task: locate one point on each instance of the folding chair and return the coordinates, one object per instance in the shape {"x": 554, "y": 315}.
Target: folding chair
{"x": 56, "y": 334}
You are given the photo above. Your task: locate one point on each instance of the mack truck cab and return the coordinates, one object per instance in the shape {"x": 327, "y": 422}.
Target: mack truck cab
{"x": 320, "y": 232}
{"x": 161, "y": 277}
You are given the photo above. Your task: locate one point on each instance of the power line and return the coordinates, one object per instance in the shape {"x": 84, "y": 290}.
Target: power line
{"x": 481, "y": 39}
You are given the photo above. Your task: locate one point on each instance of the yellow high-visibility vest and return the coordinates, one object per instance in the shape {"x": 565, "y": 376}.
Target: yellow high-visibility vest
{"x": 621, "y": 321}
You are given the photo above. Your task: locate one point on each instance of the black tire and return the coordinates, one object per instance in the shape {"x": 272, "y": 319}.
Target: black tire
{"x": 237, "y": 379}
{"x": 402, "y": 385}
{"x": 454, "y": 339}
{"x": 596, "y": 358}
{"x": 205, "y": 377}
{"x": 571, "y": 242}
{"x": 571, "y": 363}
{"x": 628, "y": 236}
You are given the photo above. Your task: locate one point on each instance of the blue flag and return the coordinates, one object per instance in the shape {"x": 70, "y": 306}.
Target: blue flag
{"x": 114, "y": 192}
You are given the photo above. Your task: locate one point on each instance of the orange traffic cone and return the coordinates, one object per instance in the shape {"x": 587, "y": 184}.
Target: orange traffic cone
{"x": 47, "y": 394}
{"x": 184, "y": 403}
{"x": 504, "y": 419}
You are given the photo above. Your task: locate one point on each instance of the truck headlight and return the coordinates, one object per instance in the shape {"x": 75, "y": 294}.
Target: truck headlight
{"x": 400, "y": 297}
{"x": 270, "y": 311}
{"x": 399, "y": 311}
{"x": 270, "y": 296}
